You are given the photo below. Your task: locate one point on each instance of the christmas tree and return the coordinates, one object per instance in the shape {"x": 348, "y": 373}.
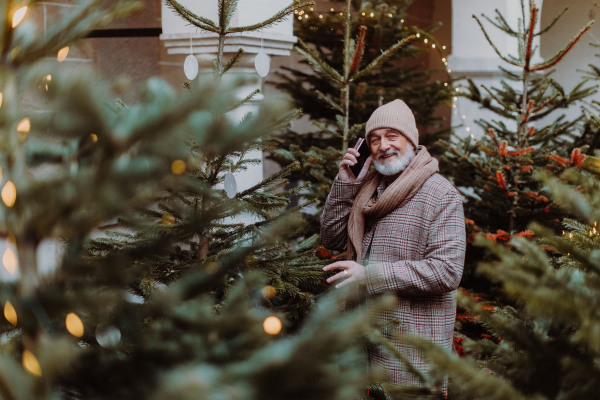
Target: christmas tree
{"x": 360, "y": 58}
{"x": 494, "y": 169}
{"x": 545, "y": 344}
{"x": 529, "y": 341}
{"x": 157, "y": 291}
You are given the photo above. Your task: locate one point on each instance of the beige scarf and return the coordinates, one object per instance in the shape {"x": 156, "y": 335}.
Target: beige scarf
{"x": 398, "y": 193}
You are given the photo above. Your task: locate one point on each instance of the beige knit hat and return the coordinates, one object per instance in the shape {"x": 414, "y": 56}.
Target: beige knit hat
{"x": 395, "y": 115}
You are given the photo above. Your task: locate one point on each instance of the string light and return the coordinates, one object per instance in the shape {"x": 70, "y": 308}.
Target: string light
{"x": 269, "y": 292}
{"x": 62, "y": 54}
{"x": 168, "y": 219}
{"x": 31, "y": 364}
{"x": 9, "y": 260}
{"x": 178, "y": 167}
{"x": 272, "y": 325}
{"x": 10, "y": 313}
{"x": 74, "y": 325}
{"x": 302, "y": 16}
{"x": 18, "y": 16}
{"x": 9, "y": 194}
{"x": 24, "y": 126}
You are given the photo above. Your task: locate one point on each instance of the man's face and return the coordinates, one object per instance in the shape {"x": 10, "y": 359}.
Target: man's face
{"x": 391, "y": 150}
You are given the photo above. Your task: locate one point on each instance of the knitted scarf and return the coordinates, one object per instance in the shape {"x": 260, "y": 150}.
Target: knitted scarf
{"x": 398, "y": 193}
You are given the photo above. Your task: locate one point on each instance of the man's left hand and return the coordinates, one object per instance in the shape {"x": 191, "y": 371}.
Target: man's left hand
{"x": 350, "y": 270}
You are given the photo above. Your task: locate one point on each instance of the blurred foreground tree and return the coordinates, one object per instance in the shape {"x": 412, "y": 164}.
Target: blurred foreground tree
{"x": 174, "y": 300}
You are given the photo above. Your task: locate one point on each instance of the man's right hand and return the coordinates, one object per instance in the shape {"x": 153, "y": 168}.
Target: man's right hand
{"x": 345, "y": 175}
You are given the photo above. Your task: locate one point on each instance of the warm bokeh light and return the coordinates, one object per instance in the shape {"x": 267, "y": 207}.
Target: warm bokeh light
{"x": 10, "y": 313}
{"x": 74, "y": 325}
{"x": 1, "y": 98}
{"x": 178, "y": 167}
{"x": 31, "y": 363}
{"x": 168, "y": 219}
{"x": 269, "y": 292}
{"x": 212, "y": 267}
{"x": 9, "y": 260}
{"x": 272, "y": 325}
{"x": 24, "y": 126}
{"x": 9, "y": 194}
{"x": 18, "y": 16}
{"x": 48, "y": 77}
{"x": 62, "y": 54}
{"x": 94, "y": 137}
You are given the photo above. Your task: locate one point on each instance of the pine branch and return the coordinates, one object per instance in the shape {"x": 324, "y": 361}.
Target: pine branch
{"x": 555, "y": 59}
{"x": 285, "y": 171}
{"x": 318, "y": 63}
{"x": 74, "y": 26}
{"x": 382, "y": 57}
{"x": 225, "y": 10}
{"x": 329, "y": 101}
{"x": 194, "y": 19}
{"x": 359, "y": 50}
{"x": 324, "y": 128}
{"x": 502, "y": 24}
{"x": 296, "y": 5}
{"x": 505, "y": 59}
{"x": 554, "y": 21}
{"x": 234, "y": 59}
{"x": 529, "y": 38}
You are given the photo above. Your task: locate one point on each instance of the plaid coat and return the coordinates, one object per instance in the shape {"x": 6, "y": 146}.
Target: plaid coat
{"x": 417, "y": 253}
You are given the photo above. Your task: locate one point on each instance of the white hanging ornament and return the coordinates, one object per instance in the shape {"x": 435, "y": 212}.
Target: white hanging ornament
{"x": 190, "y": 67}
{"x": 262, "y": 63}
{"x": 230, "y": 185}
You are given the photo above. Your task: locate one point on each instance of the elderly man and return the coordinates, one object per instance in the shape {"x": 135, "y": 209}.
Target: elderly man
{"x": 404, "y": 223}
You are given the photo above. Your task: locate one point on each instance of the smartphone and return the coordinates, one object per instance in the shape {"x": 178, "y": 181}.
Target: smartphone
{"x": 365, "y": 152}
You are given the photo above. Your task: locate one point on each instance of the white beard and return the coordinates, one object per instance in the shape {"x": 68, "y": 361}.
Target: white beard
{"x": 390, "y": 167}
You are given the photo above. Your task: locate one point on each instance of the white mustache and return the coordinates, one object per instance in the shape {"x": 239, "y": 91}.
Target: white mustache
{"x": 388, "y": 152}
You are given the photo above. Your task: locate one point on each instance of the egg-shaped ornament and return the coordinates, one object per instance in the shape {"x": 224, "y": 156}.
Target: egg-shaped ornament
{"x": 262, "y": 63}
{"x": 230, "y": 185}
{"x": 190, "y": 67}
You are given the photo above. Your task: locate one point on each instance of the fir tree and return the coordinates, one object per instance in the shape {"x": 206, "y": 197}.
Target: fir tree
{"x": 176, "y": 305}
{"x": 494, "y": 171}
{"x": 545, "y": 345}
{"x": 349, "y": 81}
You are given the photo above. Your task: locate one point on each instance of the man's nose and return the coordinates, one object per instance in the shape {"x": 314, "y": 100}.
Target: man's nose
{"x": 384, "y": 145}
